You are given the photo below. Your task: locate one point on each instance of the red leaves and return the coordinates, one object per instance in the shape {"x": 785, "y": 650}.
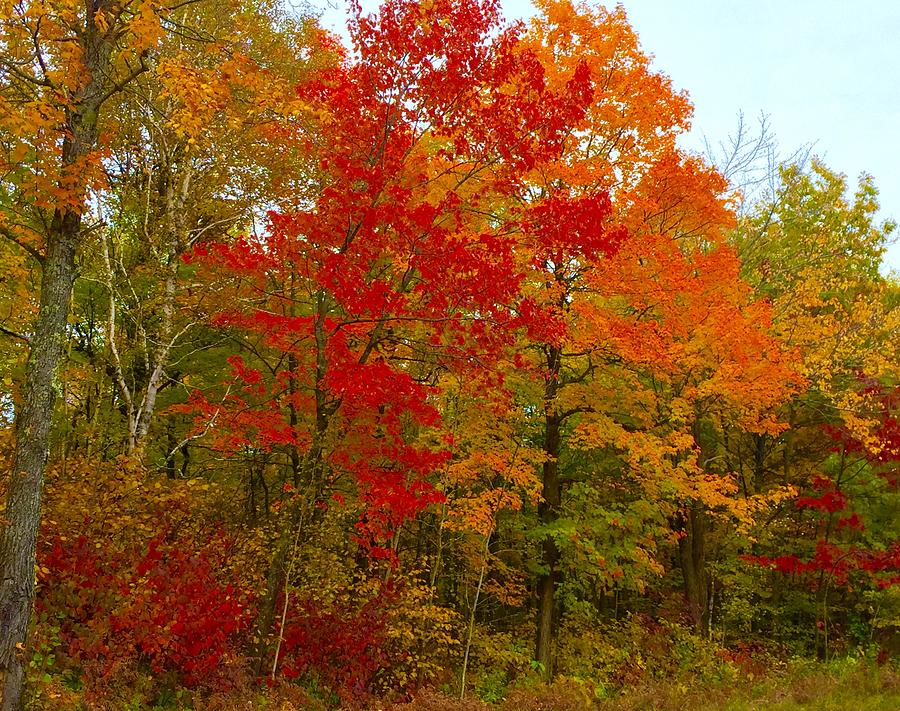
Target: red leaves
{"x": 376, "y": 387}
{"x": 169, "y": 606}
{"x": 406, "y": 260}
{"x": 883, "y": 403}
{"x": 881, "y": 568}
{"x": 842, "y": 553}
{"x": 249, "y": 376}
{"x": 340, "y": 646}
{"x": 566, "y": 226}
{"x": 883, "y": 565}
{"x": 829, "y": 502}
{"x": 389, "y": 498}
{"x": 827, "y": 558}
{"x": 852, "y": 522}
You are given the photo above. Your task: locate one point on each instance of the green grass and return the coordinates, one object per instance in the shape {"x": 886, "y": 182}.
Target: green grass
{"x": 845, "y": 687}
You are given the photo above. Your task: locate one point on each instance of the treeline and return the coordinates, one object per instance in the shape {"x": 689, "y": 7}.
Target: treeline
{"x": 429, "y": 362}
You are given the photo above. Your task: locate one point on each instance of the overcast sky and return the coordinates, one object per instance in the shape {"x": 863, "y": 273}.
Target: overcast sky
{"x": 826, "y": 72}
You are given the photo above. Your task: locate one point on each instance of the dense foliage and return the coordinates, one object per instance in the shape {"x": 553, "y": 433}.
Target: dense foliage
{"x": 431, "y": 362}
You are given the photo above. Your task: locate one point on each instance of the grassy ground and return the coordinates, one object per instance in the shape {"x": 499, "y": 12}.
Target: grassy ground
{"x": 839, "y": 687}
{"x": 848, "y": 685}
{"x": 824, "y": 689}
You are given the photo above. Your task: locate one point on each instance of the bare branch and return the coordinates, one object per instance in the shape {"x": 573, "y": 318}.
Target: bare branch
{"x": 12, "y": 334}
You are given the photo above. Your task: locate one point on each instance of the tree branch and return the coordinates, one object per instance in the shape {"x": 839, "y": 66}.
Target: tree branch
{"x": 13, "y": 334}
{"x": 121, "y": 84}
{"x": 11, "y": 236}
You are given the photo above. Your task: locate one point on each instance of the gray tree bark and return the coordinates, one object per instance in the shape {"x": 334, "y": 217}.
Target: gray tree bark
{"x": 34, "y": 414}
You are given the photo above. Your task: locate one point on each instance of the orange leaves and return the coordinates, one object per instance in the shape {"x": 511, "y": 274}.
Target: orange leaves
{"x": 478, "y": 513}
{"x": 634, "y": 115}
{"x": 690, "y": 320}
{"x": 55, "y": 92}
{"x": 681, "y": 197}
{"x": 491, "y": 469}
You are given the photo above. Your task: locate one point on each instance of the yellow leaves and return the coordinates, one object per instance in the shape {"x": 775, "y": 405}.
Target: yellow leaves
{"x": 486, "y": 481}
{"x": 506, "y": 584}
{"x": 815, "y": 251}
{"x": 18, "y": 153}
{"x": 18, "y": 294}
{"x": 145, "y": 27}
{"x": 101, "y": 21}
{"x": 666, "y": 464}
{"x": 198, "y": 95}
{"x": 598, "y": 432}
{"x": 119, "y": 499}
{"x": 492, "y": 469}
{"x": 233, "y": 91}
{"x": 34, "y": 125}
{"x": 478, "y": 513}
{"x": 645, "y": 561}
{"x": 417, "y": 622}
{"x": 30, "y": 120}
{"x": 296, "y": 107}
{"x": 842, "y": 326}
{"x": 747, "y": 511}
{"x": 48, "y": 26}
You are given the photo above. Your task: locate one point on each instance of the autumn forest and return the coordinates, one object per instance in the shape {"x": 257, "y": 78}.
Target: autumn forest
{"x": 427, "y": 371}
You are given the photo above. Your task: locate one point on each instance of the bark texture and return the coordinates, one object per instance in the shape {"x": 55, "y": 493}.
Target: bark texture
{"x": 692, "y": 556}
{"x": 34, "y": 415}
{"x": 548, "y": 510}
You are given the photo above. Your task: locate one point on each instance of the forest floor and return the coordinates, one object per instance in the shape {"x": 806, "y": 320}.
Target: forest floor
{"x": 836, "y": 687}
{"x": 823, "y": 689}
{"x": 845, "y": 685}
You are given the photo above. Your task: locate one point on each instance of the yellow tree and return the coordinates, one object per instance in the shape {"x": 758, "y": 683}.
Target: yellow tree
{"x": 63, "y": 65}
{"x": 190, "y": 164}
{"x": 813, "y": 248}
{"x": 62, "y": 62}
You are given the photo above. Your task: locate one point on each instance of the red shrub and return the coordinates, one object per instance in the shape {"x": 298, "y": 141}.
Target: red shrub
{"x": 169, "y": 606}
{"x": 341, "y": 646}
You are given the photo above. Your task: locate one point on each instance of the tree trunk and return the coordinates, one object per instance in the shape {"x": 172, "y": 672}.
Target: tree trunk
{"x": 34, "y": 416}
{"x": 172, "y": 448}
{"x": 32, "y": 429}
{"x": 759, "y": 460}
{"x": 548, "y": 510}
{"x": 159, "y": 361}
{"x": 303, "y": 512}
{"x": 166, "y": 338}
{"x": 692, "y": 555}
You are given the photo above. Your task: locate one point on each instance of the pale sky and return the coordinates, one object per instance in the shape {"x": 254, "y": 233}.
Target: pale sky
{"x": 826, "y": 72}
